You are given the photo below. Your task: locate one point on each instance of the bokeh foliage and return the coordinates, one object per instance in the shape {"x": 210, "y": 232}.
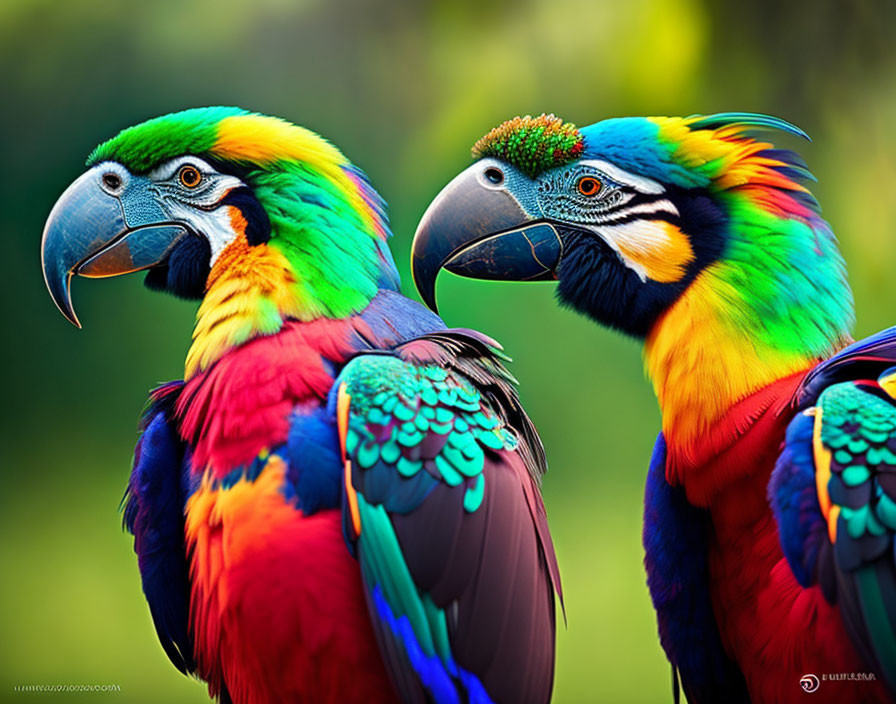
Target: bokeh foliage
{"x": 405, "y": 89}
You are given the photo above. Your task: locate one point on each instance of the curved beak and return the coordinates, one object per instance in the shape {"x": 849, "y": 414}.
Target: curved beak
{"x": 97, "y": 231}
{"x": 477, "y": 227}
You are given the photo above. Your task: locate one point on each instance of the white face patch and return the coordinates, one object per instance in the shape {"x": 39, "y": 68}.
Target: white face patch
{"x": 197, "y": 206}
{"x": 214, "y": 225}
{"x": 638, "y": 236}
{"x": 641, "y": 235}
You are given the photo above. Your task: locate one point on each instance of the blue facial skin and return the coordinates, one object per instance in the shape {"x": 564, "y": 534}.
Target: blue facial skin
{"x": 111, "y": 221}
{"x": 107, "y": 222}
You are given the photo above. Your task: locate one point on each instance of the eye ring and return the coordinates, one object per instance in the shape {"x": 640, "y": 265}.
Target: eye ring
{"x": 494, "y": 176}
{"x": 189, "y": 176}
{"x": 588, "y": 186}
{"x": 112, "y": 181}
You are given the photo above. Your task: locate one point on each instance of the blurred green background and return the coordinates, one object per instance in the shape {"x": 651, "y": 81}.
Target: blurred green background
{"x": 404, "y": 89}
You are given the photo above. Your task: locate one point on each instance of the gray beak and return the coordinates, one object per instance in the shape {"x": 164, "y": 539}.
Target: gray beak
{"x": 106, "y": 223}
{"x": 476, "y": 227}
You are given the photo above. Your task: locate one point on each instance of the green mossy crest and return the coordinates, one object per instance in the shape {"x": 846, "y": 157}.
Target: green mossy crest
{"x": 532, "y": 144}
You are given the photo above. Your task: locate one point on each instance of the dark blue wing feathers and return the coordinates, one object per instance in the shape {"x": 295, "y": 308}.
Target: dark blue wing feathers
{"x": 154, "y": 513}
{"x": 676, "y": 555}
{"x": 314, "y": 475}
{"x": 794, "y": 500}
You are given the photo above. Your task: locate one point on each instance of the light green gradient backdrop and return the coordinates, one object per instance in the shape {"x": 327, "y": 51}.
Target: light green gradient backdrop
{"x": 404, "y": 89}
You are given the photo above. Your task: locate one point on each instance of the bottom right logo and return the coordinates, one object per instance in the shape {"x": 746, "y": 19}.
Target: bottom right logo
{"x": 809, "y": 683}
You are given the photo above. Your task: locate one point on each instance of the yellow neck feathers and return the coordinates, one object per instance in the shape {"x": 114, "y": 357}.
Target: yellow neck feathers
{"x": 249, "y": 292}
{"x": 702, "y": 362}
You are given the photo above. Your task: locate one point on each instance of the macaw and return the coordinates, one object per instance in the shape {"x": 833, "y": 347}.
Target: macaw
{"x": 340, "y": 501}
{"x": 769, "y": 515}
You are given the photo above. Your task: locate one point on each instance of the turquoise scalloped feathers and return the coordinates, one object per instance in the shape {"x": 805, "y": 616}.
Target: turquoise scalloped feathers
{"x": 415, "y": 402}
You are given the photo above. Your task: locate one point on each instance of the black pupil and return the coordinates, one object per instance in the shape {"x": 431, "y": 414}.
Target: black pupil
{"x": 494, "y": 175}
{"x": 587, "y": 185}
{"x": 190, "y": 177}
{"x": 112, "y": 181}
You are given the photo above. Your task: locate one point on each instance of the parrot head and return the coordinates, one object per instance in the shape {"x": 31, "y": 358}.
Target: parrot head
{"x": 212, "y": 193}
{"x": 630, "y": 215}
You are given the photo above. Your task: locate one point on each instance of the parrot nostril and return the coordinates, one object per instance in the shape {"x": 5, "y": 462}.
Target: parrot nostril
{"x": 494, "y": 175}
{"x": 112, "y": 181}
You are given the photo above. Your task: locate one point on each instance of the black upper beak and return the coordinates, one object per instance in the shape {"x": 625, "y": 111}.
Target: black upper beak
{"x": 88, "y": 233}
{"x": 477, "y": 227}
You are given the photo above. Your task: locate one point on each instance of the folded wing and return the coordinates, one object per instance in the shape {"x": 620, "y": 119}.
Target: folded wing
{"x": 443, "y": 509}
{"x": 834, "y": 493}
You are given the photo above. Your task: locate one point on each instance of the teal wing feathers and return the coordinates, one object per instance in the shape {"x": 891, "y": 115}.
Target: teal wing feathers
{"x": 834, "y": 495}
{"x": 443, "y": 510}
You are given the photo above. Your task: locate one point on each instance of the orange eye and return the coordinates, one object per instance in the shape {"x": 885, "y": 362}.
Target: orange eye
{"x": 189, "y": 176}
{"x": 588, "y": 186}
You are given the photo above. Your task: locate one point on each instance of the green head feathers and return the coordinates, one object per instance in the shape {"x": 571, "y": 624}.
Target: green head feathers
{"x": 144, "y": 146}
{"x": 325, "y": 217}
{"x": 532, "y": 144}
